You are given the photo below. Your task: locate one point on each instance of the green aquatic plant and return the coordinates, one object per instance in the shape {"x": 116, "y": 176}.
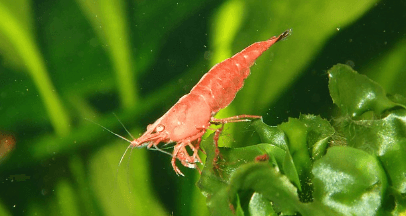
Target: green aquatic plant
{"x": 354, "y": 164}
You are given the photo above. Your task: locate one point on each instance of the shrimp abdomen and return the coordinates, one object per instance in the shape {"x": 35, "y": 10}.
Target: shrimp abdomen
{"x": 220, "y": 85}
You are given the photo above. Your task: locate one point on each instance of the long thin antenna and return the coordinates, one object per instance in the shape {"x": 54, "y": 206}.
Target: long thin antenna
{"x": 160, "y": 150}
{"x": 109, "y": 130}
{"x": 123, "y": 126}
{"x": 122, "y": 157}
{"x": 121, "y": 160}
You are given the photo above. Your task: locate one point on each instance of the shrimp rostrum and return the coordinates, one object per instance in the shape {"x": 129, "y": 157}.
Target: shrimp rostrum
{"x": 187, "y": 121}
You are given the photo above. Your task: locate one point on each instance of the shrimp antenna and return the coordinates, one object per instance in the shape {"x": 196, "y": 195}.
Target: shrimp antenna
{"x": 128, "y": 164}
{"x": 125, "y": 152}
{"x": 109, "y": 131}
{"x": 160, "y": 150}
{"x": 123, "y": 126}
{"x": 122, "y": 157}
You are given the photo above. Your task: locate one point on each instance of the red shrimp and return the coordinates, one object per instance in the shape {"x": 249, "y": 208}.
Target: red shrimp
{"x": 187, "y": 121}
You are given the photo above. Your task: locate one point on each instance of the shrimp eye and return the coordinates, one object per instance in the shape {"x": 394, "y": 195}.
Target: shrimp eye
{"x": 159, "y": 128}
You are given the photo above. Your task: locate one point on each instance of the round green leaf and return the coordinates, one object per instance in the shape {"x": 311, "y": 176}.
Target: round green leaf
{"x": 349, "y": 181}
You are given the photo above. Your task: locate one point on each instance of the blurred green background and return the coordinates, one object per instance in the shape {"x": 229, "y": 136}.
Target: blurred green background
{"x": 64, "y": 61}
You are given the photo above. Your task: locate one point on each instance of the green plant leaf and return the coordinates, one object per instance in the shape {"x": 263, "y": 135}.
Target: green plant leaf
{"x": 259, "y": 205}
{"x": 356, "y": 95}
{"x": 221, "y": 182}
{"x": 365, "y": 175}
{"x": 383, "y": 134}
{"x": 319, "y": 133}
{"x": 230, "y": 181}
{"x": 305, "y": 139}
{"x": 296, "y": 133}
{"x": 124, "y": 194}
{"x": 276, "y": 138}
{"x": 349, "y": 181}
{"x": 66, "y": 199}
{"x": 108, "y": 19}
{"x": 20, "y": 43}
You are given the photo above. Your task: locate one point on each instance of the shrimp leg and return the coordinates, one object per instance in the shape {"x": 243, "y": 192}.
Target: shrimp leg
{"x": 239, "y": 118}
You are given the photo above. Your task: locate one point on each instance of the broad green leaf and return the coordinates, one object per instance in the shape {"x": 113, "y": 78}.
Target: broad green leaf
{"x": 108, "y": 19}
{"x": 262, "y": 178}
{"x": 127, "y": 193}
{"x": 229, "y": 181}
{"x": 276, "y": 138}
{"x": 217, "y": 183}
{"x": 211, "y": 184}
{"x": 300, "y": 137}
{"x": 84, "y": 192}
{"x": 259, "y": 206}
{"x": 269, "y": 134}
{"x": 228, "y": 20}
{"x": 24, "y": 18}
{"x": 385, "y": 138}
{"x": 349, "y": 181}
{"x": 19, "y": 41}
{"x": 296, "y": 134}
{"x": 319, "y": 132}
{"x": 356, "y": 95}
{"x": 379, "y": 134}
{"x": 66, "y": 199}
